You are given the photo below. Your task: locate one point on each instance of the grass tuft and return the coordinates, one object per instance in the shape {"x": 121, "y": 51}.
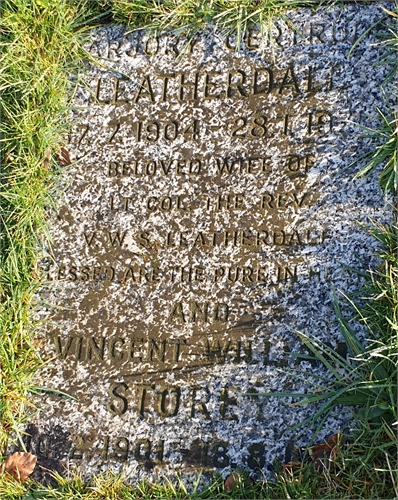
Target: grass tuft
{"x": 192, "y": 16}
{"x": 40, "y": 45}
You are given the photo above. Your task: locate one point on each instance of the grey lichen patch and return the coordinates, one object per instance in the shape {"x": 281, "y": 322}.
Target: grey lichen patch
{"x": 205, "y": 220}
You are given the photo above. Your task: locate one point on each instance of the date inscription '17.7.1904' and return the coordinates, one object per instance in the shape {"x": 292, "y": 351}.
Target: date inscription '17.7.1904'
{"x": 201, "y": 225}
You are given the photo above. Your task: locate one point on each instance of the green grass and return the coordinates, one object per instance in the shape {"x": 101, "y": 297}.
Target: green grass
{"x": 41, "y": 43}
{"x": 385, "y": 154}
{"x": 368, "y": 377}
{"x": 192, "y": 15}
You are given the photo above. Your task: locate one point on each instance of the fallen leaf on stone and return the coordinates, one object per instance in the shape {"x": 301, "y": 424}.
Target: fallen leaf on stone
{"x": 335, "y": 439}
{"x": 19, "y": 465}
{"x": 322, "y": 454}
{"x": 232, "y": 481}
{"x": 47, "y": 159}
{"x": 64, "y": 157}
{"x": 290, "y": 466}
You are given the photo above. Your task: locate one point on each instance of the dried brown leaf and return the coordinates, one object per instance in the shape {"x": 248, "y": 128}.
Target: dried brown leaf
{"x": 290, "y": 466}
{"x": 64, "y": 157}
{"x": 231, "y": 481}
{"x": 47, "y": 159}
{"x": 322, "y": 454}
{"x": 19, "y": 465}
{"x": 335, "y": 440}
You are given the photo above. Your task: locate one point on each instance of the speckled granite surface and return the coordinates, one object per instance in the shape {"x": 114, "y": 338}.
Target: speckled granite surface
{"x": 205, "y": 220}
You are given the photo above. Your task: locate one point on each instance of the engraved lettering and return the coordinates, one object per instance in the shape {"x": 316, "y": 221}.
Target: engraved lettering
{"x": 218, "y": 350}
{"x": 263, "y": 81}
{"x": 199, "y": 312}
{"x": 145, "y": 90}
{"x": 226, "y": 402}
{"x": 89, "y": 238}
{"x": 121, "y": 448}
{"x": 165, "y": 79}
{"x": 191, "y": 87}
{"x": 235, "y": 83}
{"x": 116, "y": 239}
{"x": 157, "y": 350}
{"x": 289, "y": 81}
{"x": 63, "y": 351}
{"x": 169, "y": 401}
{"x": 142, "y": 397}
{"x": 142, "y": 450}
{"x": 98, "y": 92}
{"x": 316, "y": 30}
{"x": 209, "y": 86}
{"x": 194, "y": 312}
{"x": 177, "y": 313}
{"x": 116, "y": 355}
{"x": 95, "y": 348}
{"x": 117, "y": 89}
{"x": 119, "y": 406}
{"x": 199, "y": 397}
{"x": 284, "y": 274}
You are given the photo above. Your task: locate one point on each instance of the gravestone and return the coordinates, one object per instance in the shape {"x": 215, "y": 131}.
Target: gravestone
{"x": 206, "y": 217}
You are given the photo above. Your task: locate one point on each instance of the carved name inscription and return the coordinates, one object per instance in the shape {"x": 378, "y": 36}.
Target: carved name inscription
{"x": 202, "y": 224}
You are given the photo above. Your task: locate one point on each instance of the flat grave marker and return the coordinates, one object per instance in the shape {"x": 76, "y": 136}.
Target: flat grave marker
{"x": 205, "y": 220}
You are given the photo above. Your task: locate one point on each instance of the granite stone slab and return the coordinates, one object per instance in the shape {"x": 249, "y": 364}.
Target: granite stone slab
{"x": 206, "y": 218}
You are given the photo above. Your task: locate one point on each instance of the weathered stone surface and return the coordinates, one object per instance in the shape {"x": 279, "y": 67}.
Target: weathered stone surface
{"x": 205, "y": 220}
